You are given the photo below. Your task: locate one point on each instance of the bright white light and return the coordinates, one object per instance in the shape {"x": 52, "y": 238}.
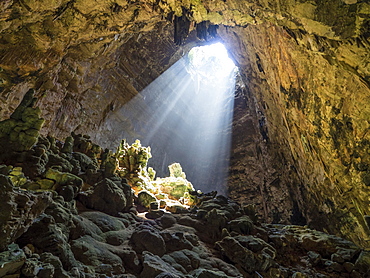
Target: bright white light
{"x": 210, "y": 61}
{"x": 185, "y": 115}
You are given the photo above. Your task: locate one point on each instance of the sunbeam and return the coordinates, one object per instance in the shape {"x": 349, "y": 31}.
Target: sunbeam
{"x": 185, "y": 115}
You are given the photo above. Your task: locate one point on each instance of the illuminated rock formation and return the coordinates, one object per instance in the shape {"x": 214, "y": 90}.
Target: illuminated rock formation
{"x": 301, "y": 118}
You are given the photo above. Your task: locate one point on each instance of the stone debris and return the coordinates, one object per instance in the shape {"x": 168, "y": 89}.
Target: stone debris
{"x": 74, "y": 214}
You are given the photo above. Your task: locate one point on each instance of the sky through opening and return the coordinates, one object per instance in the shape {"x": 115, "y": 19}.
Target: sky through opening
{"x": 185, "y": 115}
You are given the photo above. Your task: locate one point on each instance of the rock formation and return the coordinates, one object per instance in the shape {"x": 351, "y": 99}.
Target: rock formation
{"x": 77, "y": 222}
{"x": 301, "y": 118}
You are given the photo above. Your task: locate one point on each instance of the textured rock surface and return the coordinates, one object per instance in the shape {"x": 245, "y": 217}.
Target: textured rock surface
{"x": 66, "y": 235}
{"x": 18, "y": 209}
{"x": 301, "y": 140}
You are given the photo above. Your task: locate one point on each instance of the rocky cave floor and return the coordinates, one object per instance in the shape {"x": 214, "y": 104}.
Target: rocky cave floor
{"x": 65, "y": 212}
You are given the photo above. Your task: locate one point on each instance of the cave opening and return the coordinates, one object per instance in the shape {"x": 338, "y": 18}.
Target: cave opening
{"x": 185, "y": 116}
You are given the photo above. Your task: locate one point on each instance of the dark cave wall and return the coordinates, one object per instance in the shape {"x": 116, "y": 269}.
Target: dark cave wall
{"x": 316, "y": 113}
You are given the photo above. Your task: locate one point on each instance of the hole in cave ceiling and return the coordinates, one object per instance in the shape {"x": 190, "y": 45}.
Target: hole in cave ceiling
{"x": 185, "y": 116}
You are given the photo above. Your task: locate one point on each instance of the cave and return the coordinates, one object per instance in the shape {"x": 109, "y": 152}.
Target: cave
{"x": 298, "y": 159}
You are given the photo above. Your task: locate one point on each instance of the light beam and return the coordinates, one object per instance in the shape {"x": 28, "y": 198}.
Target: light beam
{"x": 185, "y": 115}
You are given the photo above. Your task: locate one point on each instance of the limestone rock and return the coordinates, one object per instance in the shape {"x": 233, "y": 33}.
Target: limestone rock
{"x": 146, "y": 238}
{"x": 167, "y": 220}
{"x": 20, "y": 132}
{"x": 18, "y": 209}
{"x": 93, "y": 253}
{"x": 239, "y": 255}
{"x": 107, "y": 196}
{"x": 104, "y": 222}
{"x": 50, "y": 259}
{"x": 154, "y": 265}
{"x": 85, "y": 162}
{"x": 47, "y": 236}
{"x": 145, "y": 198}
{"x": 11, "y": 260}
{"x": 251, "y": 254}
{"x": 241, "y": 225}
{"x": 204, "y": 273}
{"x": 363, "y": 263}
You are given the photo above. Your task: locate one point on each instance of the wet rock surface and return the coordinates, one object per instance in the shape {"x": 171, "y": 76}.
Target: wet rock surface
{"x": 56, "y": 224}
{"x": 300, "y": 146}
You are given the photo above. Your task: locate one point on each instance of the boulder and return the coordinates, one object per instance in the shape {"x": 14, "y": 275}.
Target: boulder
{"x": 362, "y": 264}
{"x": 104, "y": 222}
{"x": 93, "y": 252}
{"x": 241, "y": 225}
{"x": 145, "y": 198}
{"x": 153, "y": 266}
{"x": 176, "y": 241}
{"x": 236, "y": 253}
{"x": 106, "y": 196}
{"x": 47, "y": 236}
{"x": 18, "y": 210}
{"x": 85, "y": 162}
{"x": 146, "y": 238}
{"x": 167, "y": 220}
{"x": 11, "y": 260}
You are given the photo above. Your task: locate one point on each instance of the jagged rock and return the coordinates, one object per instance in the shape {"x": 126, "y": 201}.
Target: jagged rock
{"x": 104, "y": 221}
{"x": 58, "y": 162}
{"x": 68, "y": 145}
{"x": 153, "y": 265}
{"x": 176, "y": 187}
{"x": 46, "y": 271}
{"x": 257, "y": 245}
{"x": 62, "y": 178}
{"x": 49, "y": 258}
{"x": 315, "y": 258}
{"x": 331, "y": 266}
{"x": 47, "y": 236}
{"x": 35, "y": 160}
{"x": 82, "y": 143}
{"x": 145, "y": 198}
{"x": 31, "y": 268}
{"x": 107, "y": 196}
{"x": 241, "y": 225}
{"x": 17, "y": 176}
{"x": 11, "y": 260}
{"x": 85, "y": 162}
{"x": 362, "y": 264}
{"x": 239, "y": 255}
{"x": 176, "y": 241}
{"x": 21, "y": 131}
{"x": 205, "y": 273}
{"x": 146, "y": 238}
{"x": 95, "y": 253}
{"x": 18, "y": 209}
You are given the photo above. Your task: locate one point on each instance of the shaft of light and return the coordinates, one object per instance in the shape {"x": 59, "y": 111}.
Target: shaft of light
{"x": 185, "y": 115}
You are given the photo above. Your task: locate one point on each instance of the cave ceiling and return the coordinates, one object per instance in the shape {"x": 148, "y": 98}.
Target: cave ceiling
{"x": 301, "y": 140}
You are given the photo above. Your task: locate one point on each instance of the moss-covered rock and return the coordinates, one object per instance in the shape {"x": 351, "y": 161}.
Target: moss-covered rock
{"x": 107, "y": 196}
{"x": 145, "y": 198}
{"x": 11, "y": 260}
{"x": 21, "y": 131}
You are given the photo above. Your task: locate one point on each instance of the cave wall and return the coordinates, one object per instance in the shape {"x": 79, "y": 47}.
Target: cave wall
{"x": 314, "y": 141}
{"x": 301, "y": 140}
